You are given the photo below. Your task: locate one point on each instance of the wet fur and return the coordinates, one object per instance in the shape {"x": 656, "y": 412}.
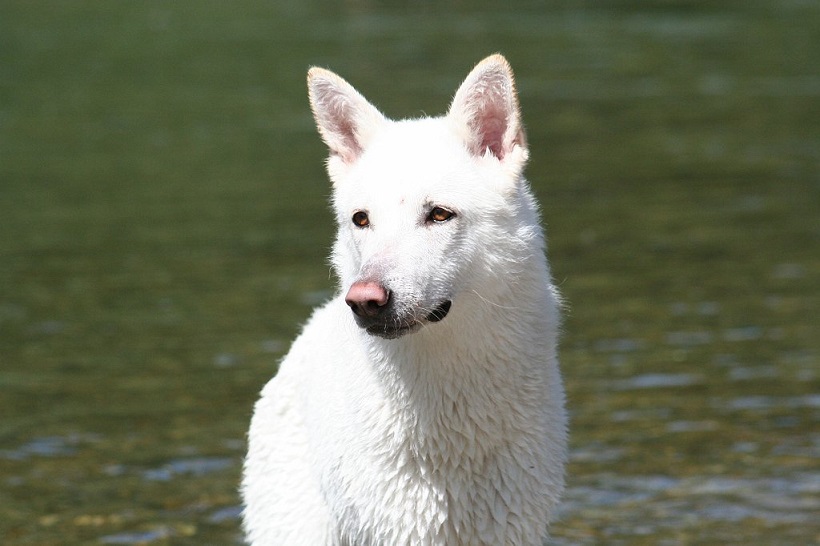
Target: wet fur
{"x": 453, "y": 431}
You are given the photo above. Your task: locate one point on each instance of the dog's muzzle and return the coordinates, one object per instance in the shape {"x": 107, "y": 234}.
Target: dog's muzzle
{"x": 375, "y": 310}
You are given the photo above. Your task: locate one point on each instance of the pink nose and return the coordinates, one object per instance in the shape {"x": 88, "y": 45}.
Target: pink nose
{"x": 367, "y": 298}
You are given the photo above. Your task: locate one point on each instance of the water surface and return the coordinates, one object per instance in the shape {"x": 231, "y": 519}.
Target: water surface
{"x": 164, "y": 231}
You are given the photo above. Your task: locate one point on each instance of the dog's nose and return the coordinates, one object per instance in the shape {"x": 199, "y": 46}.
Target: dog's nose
{"x": 367, "y": 299}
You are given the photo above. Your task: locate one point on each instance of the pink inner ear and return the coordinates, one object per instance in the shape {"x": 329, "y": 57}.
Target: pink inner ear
{"x": 334, "y": 107}
{"x": 349, "y": 149}
{"x": 338, "y": 126}
{"x": 490, "y": 125}
{"x": 491, "y": 115}
{"x": 485, "y": 110}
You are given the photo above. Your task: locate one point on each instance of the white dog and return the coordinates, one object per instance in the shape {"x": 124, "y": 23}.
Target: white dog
{"x": 422, "y": 405}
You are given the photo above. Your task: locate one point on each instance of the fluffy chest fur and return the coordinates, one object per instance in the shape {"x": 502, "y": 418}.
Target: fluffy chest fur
{"x": 453, "y": 442}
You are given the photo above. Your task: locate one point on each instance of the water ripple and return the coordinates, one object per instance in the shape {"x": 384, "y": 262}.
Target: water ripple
{"x": 657, "y": 380}
{"x": 197, "y": 466}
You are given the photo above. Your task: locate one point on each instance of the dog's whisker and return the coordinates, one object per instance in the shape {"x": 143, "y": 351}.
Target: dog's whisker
{"x": 492, "y": 303}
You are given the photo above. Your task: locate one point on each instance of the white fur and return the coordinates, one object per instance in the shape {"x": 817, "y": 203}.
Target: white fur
{"x": 453, "y": 433}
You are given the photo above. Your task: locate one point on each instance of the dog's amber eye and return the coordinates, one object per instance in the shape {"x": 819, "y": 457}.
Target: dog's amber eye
{"x": 438, "y": 214}
{"x": 360, "y": 218}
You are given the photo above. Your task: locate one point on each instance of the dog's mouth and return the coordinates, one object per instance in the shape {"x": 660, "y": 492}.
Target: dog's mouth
{"x": 398, "y": 328}
{"x": 440, "y": 312}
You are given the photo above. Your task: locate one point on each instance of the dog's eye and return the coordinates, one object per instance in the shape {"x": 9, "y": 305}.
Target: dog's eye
{"x": 360, "y": 218}
{"x": 438, "y": 214}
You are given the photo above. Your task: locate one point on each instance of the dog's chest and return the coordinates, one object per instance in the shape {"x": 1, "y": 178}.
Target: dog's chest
{"x": 443, "y": 488}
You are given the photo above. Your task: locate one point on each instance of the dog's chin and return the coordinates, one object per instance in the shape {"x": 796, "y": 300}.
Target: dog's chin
{"x": 399, "y": 328}
{"x": 386, "y": 332}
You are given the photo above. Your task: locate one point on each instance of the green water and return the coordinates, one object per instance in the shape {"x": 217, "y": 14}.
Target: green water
{"x": 164, "y": 231}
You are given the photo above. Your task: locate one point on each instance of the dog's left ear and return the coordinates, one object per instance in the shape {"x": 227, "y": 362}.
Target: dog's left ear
{"x": 485, "y": 110}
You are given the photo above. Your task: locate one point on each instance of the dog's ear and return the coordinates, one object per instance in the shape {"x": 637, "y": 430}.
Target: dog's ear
{"x": 345, "y": 119}
{"x": 485, "y": 110}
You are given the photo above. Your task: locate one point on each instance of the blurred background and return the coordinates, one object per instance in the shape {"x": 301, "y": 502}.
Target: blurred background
{"x": 164, "y": 231}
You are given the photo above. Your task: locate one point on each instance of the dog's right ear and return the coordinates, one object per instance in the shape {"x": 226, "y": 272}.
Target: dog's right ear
{"x": 345, "y": 119}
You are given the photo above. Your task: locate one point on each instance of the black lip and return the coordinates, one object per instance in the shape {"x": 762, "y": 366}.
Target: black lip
{"x": 390, "y": 333}
{"x": 395, "y": 330}
{"x": 440, "y": 312}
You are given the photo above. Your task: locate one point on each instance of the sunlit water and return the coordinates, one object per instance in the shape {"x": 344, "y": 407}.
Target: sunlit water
{"x": 164, "y": 231}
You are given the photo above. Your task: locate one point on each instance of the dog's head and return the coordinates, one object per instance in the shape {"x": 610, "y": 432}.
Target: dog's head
{"x": 425, "y": 207}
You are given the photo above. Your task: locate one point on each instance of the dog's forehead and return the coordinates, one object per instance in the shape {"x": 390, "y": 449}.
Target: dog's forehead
{"x": 412, "y": 156}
